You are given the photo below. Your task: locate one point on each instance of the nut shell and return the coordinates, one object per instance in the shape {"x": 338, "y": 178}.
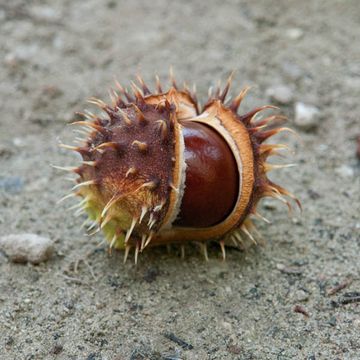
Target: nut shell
{"x": 156, "y": 170}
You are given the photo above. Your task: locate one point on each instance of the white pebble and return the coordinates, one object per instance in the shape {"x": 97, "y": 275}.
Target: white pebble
{"x": 294, "y": 33}
{"x": 281, "y": 94}
{"x": 345, "y": 171}
{"x": 227, "y": 326}
{"x": 45, "y": 13}
{"x": 21, "y": 54}
{"x": 27, "y": 248}
{"x": 306, "y": 116}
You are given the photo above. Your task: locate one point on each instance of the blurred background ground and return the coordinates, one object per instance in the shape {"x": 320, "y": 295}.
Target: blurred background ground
{"x": 55, "y": 55}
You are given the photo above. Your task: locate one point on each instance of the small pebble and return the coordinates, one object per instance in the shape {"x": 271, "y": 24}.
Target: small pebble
{"x": 11, "y": 184}
{"x": 314, "y": 195}
{"x": 294, "y": 33}
{"x": 306, "y": 116}
{"x": 292, "y": 71}
{"x": 280, "y": 94}
{"x": 301, "y": 295}
{"x": 18, "y": 142}
{"x": 27, "y": 248}
{"x": 289, "y": 270}
{"x": 345, "y": 171}
{"x": 57, "y": 349}
{"x": 21, "y": 54}
{"x": 227, "y": 326}
{"x": 45, "y": 13}
{"x": 236, "y": 350}
{"x": 332, "y": 321}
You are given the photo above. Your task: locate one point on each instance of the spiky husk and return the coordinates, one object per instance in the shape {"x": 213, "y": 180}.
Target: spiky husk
{"x": 131, "y": 176}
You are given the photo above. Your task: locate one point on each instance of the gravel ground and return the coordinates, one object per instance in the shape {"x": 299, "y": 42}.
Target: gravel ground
{"x": 294, "y": 298}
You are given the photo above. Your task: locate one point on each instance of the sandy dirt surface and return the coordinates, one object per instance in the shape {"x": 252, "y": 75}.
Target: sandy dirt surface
{"x": 55, "y": 55}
